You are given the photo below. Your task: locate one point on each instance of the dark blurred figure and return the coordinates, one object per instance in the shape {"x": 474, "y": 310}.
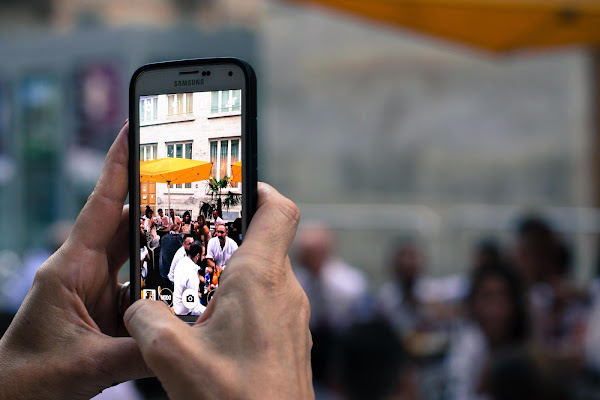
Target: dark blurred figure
{"x": 559, "y": 309}
{"x": 487, "y": 252}
{"x": 371, "y": 364}
{"x": 401, "y": 299}
{"x": 498, "y": 319}
{"x": 235, "y": 230}
{"x": 335, "y": 291}
{"x": 536, "y": 255}
{"x": 520, "y": 374}
{"x": 497, "y": 304}
{"x": 423, "y": 311}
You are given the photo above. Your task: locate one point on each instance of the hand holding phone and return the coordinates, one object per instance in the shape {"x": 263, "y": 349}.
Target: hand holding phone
{"x": 253, "y": 342}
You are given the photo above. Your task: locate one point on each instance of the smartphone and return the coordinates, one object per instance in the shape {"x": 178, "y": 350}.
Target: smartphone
{"x": 192, "y": 177}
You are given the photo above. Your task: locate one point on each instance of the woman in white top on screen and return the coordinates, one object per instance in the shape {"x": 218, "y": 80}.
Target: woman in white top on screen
{"x": 186, "y": 225}
{"x": 150, "y": 229}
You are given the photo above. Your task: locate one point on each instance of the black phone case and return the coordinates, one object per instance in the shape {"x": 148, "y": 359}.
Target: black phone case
{"x": 249, "y": 167}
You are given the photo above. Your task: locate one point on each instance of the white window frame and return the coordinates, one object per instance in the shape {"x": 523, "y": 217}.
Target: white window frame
{"x": 218, "y": 163}
{"x": 224, "y": 109}
{"x": 153, "y": 147}
{"x": 184, "y": 116}
{"x": 180, "y": 187}
{"x": 153, "y": 103}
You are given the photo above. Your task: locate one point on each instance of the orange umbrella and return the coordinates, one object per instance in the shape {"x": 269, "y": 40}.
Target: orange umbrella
{"x": 497, "y": 25}
{"x": 174, "y": 170}
{"x": 236, "y": 171}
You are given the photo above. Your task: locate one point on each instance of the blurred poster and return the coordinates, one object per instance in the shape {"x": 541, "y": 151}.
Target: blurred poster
{"x": 3, "y": 120}
{"x": 41, "y": 134}
{"x": 7, "y": 167}
{"x": 100, "y": 105}
{"x": 40, "y": 108}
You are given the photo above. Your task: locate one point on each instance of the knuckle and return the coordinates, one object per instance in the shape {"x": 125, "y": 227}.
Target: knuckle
{"x": 162, "y": 343}
{"x": 270, "y": 274}
{"x": 290, "y": 210}
{"x": 304, "y": 306}
{"x": 45, "y": 275}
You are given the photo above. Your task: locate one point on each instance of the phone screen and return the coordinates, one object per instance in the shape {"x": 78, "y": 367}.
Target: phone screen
{"x": 190, "y": 180}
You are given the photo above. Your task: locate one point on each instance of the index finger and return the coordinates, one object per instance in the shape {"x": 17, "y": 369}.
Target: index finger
{"x": 273, "y": 226}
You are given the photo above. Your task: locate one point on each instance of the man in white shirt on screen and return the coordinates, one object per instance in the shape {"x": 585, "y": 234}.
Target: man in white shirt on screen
{"x": 220, "y": 249}
{"x": 174, "y": 222}
{"x": 180, "y": 255}
{"x": 186, "y": 300}
{"x": 163, "y": 220}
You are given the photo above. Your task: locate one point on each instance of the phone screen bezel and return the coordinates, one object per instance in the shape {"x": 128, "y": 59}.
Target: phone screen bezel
{"x": 165, "y": 78}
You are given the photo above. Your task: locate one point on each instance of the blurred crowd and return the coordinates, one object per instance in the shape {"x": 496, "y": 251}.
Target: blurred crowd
{"x": 514, "y": 325}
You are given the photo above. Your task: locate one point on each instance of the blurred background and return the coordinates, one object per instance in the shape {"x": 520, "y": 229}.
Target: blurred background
{"x": 443, "y": 154}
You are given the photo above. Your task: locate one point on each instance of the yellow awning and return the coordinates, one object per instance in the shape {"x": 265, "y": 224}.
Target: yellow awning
{"x": 497, "y": 25}
{"x": 174, "y": 170}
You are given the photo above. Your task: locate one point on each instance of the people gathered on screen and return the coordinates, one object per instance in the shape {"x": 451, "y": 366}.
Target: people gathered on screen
{"x": 166, "y": 243}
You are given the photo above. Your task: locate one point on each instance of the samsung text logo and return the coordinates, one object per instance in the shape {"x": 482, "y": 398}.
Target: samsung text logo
{"x": 189, "y": 82}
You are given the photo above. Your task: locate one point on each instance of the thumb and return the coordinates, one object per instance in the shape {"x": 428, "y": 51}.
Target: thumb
{"x": 122, "y": 360}
{"x": 163, "y": 339}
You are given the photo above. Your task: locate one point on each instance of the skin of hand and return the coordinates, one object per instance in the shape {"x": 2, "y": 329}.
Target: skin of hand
{"x": 253, "y": 341}
{"x": 67, "y": 340}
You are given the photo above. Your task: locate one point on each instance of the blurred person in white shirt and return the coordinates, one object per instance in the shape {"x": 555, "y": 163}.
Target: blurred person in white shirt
{"x": 335, "y": 291}
{"x": 334, "y": 288}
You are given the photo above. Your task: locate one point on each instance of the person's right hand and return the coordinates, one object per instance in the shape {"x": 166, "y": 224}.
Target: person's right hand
{"x": 253, "y": 341}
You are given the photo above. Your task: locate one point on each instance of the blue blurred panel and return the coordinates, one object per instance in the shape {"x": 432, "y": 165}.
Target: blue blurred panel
{"x": 3, "y": 116}
{"x": 41, "y": 138}
{"x": 40, "y": 118}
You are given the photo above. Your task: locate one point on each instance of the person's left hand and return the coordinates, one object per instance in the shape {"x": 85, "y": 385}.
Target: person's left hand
{"x": 68, "y": 338}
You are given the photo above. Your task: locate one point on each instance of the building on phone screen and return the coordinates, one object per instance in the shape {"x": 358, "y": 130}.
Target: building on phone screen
{"x": 204, "y": 126}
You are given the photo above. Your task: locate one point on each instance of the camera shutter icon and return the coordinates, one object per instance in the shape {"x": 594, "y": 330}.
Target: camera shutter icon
{"x": 189, "y": 298}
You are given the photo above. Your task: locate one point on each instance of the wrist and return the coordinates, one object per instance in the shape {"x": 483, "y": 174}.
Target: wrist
{"x": 32, "y": 372}
{"x": 20, "y": 378}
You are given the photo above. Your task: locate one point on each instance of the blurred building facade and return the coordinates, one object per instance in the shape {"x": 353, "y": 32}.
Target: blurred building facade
{"x": 389, "y": 134}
